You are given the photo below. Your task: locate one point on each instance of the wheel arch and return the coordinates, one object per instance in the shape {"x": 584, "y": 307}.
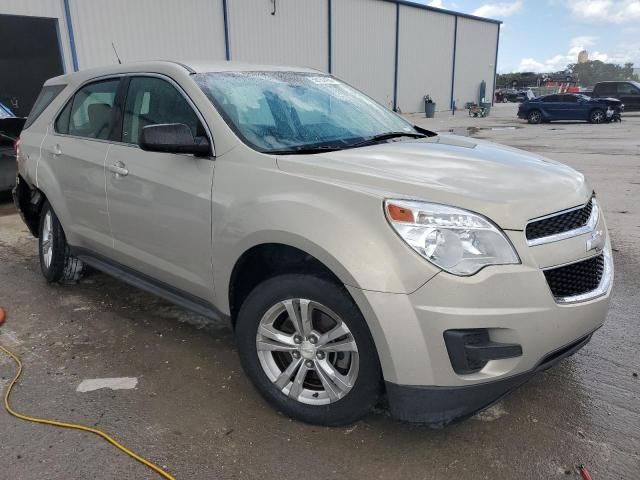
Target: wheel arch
{"x": 29, "y": 200}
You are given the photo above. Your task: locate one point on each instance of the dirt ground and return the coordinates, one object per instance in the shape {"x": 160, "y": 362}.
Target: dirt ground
{"x": 194, "y": 411}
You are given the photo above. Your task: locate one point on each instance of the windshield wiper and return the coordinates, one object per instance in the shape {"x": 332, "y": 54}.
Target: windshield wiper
{"x": 385, "y": 136}
{"x": 304, "y": 150}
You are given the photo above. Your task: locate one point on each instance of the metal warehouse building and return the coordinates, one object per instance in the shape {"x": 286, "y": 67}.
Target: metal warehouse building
{"x": 393, "y": 50}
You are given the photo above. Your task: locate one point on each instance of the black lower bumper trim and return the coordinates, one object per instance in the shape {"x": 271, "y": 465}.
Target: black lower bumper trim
{"x": 439, "y": 406}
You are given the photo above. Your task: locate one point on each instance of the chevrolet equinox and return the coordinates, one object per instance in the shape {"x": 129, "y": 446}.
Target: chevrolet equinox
{"x": 354, "y": 254}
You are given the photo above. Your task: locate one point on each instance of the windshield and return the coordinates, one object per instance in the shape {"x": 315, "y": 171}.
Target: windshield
{"x": 285, "y": 111}
{"x": 5, "y": 112}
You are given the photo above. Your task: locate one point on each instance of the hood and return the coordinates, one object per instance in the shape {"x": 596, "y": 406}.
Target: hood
{"x": 507, "y": 185}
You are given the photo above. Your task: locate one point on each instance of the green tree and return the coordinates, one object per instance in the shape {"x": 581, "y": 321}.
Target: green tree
{"x": 594, "y": 71}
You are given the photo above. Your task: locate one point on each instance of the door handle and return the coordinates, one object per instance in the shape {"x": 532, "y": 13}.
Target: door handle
{"x": 119, "y": 169}
{"x": 56, "y": 150}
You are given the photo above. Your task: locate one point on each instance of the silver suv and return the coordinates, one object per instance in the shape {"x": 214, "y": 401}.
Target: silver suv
{"x": 354, "y": 253}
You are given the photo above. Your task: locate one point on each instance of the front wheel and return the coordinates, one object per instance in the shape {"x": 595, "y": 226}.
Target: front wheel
{"x": 56, "y": 262}
{"x": 308, "y": 350}
{"x": 534, "y": 116}
{"x": 597, "y": 115}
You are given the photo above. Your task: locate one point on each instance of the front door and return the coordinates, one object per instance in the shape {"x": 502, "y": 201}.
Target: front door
{"x": 629, "y": 94}
{"x": 160, "y": 203}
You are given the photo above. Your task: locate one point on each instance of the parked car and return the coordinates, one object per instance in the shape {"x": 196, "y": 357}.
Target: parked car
{"x": 626, "y": 91}
{"x": 506, "y": 96}
{"x": 569, "y": 106}
{"x": 10, "y": 127}
{"x": 352, "y": 252}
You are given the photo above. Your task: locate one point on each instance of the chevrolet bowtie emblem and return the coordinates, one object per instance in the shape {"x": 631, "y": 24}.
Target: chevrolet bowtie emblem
{"x": 596, "y": 242}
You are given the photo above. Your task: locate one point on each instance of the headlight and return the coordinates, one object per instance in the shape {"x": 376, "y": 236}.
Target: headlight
{"x": 455, "y": 240}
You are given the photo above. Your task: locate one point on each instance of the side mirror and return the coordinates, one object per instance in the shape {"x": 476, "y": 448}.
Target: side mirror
{"x": 173, "y": 138}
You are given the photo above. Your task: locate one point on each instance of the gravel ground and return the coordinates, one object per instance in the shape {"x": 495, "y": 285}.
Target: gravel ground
{"x": 194, "y": 411}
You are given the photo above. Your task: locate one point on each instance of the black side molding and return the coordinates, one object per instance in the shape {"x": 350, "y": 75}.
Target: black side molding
{"x": 151, "y": 285}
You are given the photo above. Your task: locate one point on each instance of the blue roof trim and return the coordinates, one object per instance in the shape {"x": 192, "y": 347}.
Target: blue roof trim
{"x": 442, "y": 10}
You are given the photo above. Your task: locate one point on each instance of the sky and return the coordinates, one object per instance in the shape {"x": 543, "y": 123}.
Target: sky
{"x": 546, "y": 35}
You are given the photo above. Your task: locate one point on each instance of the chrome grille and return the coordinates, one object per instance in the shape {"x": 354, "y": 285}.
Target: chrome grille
{"x": 560, "y": 223}
{"x": 576, "y": 278}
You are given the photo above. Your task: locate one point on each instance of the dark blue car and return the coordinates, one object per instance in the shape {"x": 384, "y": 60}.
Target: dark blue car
{"x": 570, "y": 106}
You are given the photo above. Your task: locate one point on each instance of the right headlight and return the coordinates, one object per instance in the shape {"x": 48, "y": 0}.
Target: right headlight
{"x": 456, "y": 240}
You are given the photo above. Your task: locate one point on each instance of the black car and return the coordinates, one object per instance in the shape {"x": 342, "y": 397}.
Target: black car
{"x": 627, "y": 92}
{"x": 570, "y": 106}
{"x": 10, "y": 128}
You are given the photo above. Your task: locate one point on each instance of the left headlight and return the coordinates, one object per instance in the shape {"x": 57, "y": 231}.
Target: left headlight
{"x": 456, "y": 240}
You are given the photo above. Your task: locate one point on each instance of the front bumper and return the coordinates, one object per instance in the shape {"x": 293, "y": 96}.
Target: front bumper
{"x": 513, "y": 303}
{"x": 438, "y": 406}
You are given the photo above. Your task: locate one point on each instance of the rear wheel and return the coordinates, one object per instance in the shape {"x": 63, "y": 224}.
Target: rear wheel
{"x": 535, "y": 116}
{"x": 56, "y": 262}
{"x": 308, "y": 350}
{"x": 597, "y": 115}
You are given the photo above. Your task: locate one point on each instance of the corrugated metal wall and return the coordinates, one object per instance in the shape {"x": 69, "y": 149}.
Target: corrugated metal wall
{"x": 425, "y": 58}
{"x": 295, "y": 35}
{"x": 362, "y": 34}
{"x": 43, "y": 8}
{"x": 475, "y": 59}
{"x": 147, "y": 29}
{"x": 364, "y": 39}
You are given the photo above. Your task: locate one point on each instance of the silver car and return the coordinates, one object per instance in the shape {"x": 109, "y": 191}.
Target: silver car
{"x": 354, "y": 254}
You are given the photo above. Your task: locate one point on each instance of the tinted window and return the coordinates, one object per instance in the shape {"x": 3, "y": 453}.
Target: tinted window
{"x": 92, "y": 110}
{"x": 606, "y": 89}
{"x": 47, "y": 94}
{"x": 551, "y": 98}
{"x": 569, "y": 99}
{"x": 627, "y": 89}
{"x": 151, "y": 101}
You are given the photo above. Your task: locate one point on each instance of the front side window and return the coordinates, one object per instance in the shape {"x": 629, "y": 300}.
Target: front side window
{"x": 90, "y": 112}
{"x": 569, "y": 98}
{"x": 152, "y": 101}
{"x": 627, "y": 89}
{"x": 551, "y": 98}
{"x": 285, "y": 111}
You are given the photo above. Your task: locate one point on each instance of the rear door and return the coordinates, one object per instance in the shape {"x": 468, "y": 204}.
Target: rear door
{"x": 71, "y": 170}
{"x": 160, "y": 203}
{"x": 551, "y": 107}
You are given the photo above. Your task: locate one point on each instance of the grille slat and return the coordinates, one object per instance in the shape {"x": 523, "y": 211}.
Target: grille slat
{"x": 576, "y": 278}
{"x": 560, "y": 223}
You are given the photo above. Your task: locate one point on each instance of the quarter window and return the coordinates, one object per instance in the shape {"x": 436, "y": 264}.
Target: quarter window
{"x": 152, "y": 101}
{"x": 90, "y": 113}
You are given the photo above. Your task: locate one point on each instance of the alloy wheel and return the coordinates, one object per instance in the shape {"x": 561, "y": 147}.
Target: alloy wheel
{"x": 307, "y": 351}
{"x": 598, "y": 116}
{"x": 47, "y": 238}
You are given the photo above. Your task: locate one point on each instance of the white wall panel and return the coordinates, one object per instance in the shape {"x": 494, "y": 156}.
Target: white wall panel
{"x": 425, "y": 58}
{"x": 147, "y": 30}
{"x": 364, "y": 33}
{"x": 46, "y": 9}
{"x": 296, "y": 35}
{"x": 475, "y": 59}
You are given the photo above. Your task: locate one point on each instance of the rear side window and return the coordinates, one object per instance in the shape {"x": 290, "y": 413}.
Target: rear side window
{"x": 90, "y": 113}
{"x": 151, "y": 101}
{"x": 46, "y": 96}
{"x": 606, "y": 89}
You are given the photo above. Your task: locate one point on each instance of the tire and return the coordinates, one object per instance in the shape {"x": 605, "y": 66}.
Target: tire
{"x": 597, "y": 115}
{"x": 319, "y": 384}
{"x": 505, "y": 100}
{"x": 56, "y": 262}
{"x": 534, "y": 117}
